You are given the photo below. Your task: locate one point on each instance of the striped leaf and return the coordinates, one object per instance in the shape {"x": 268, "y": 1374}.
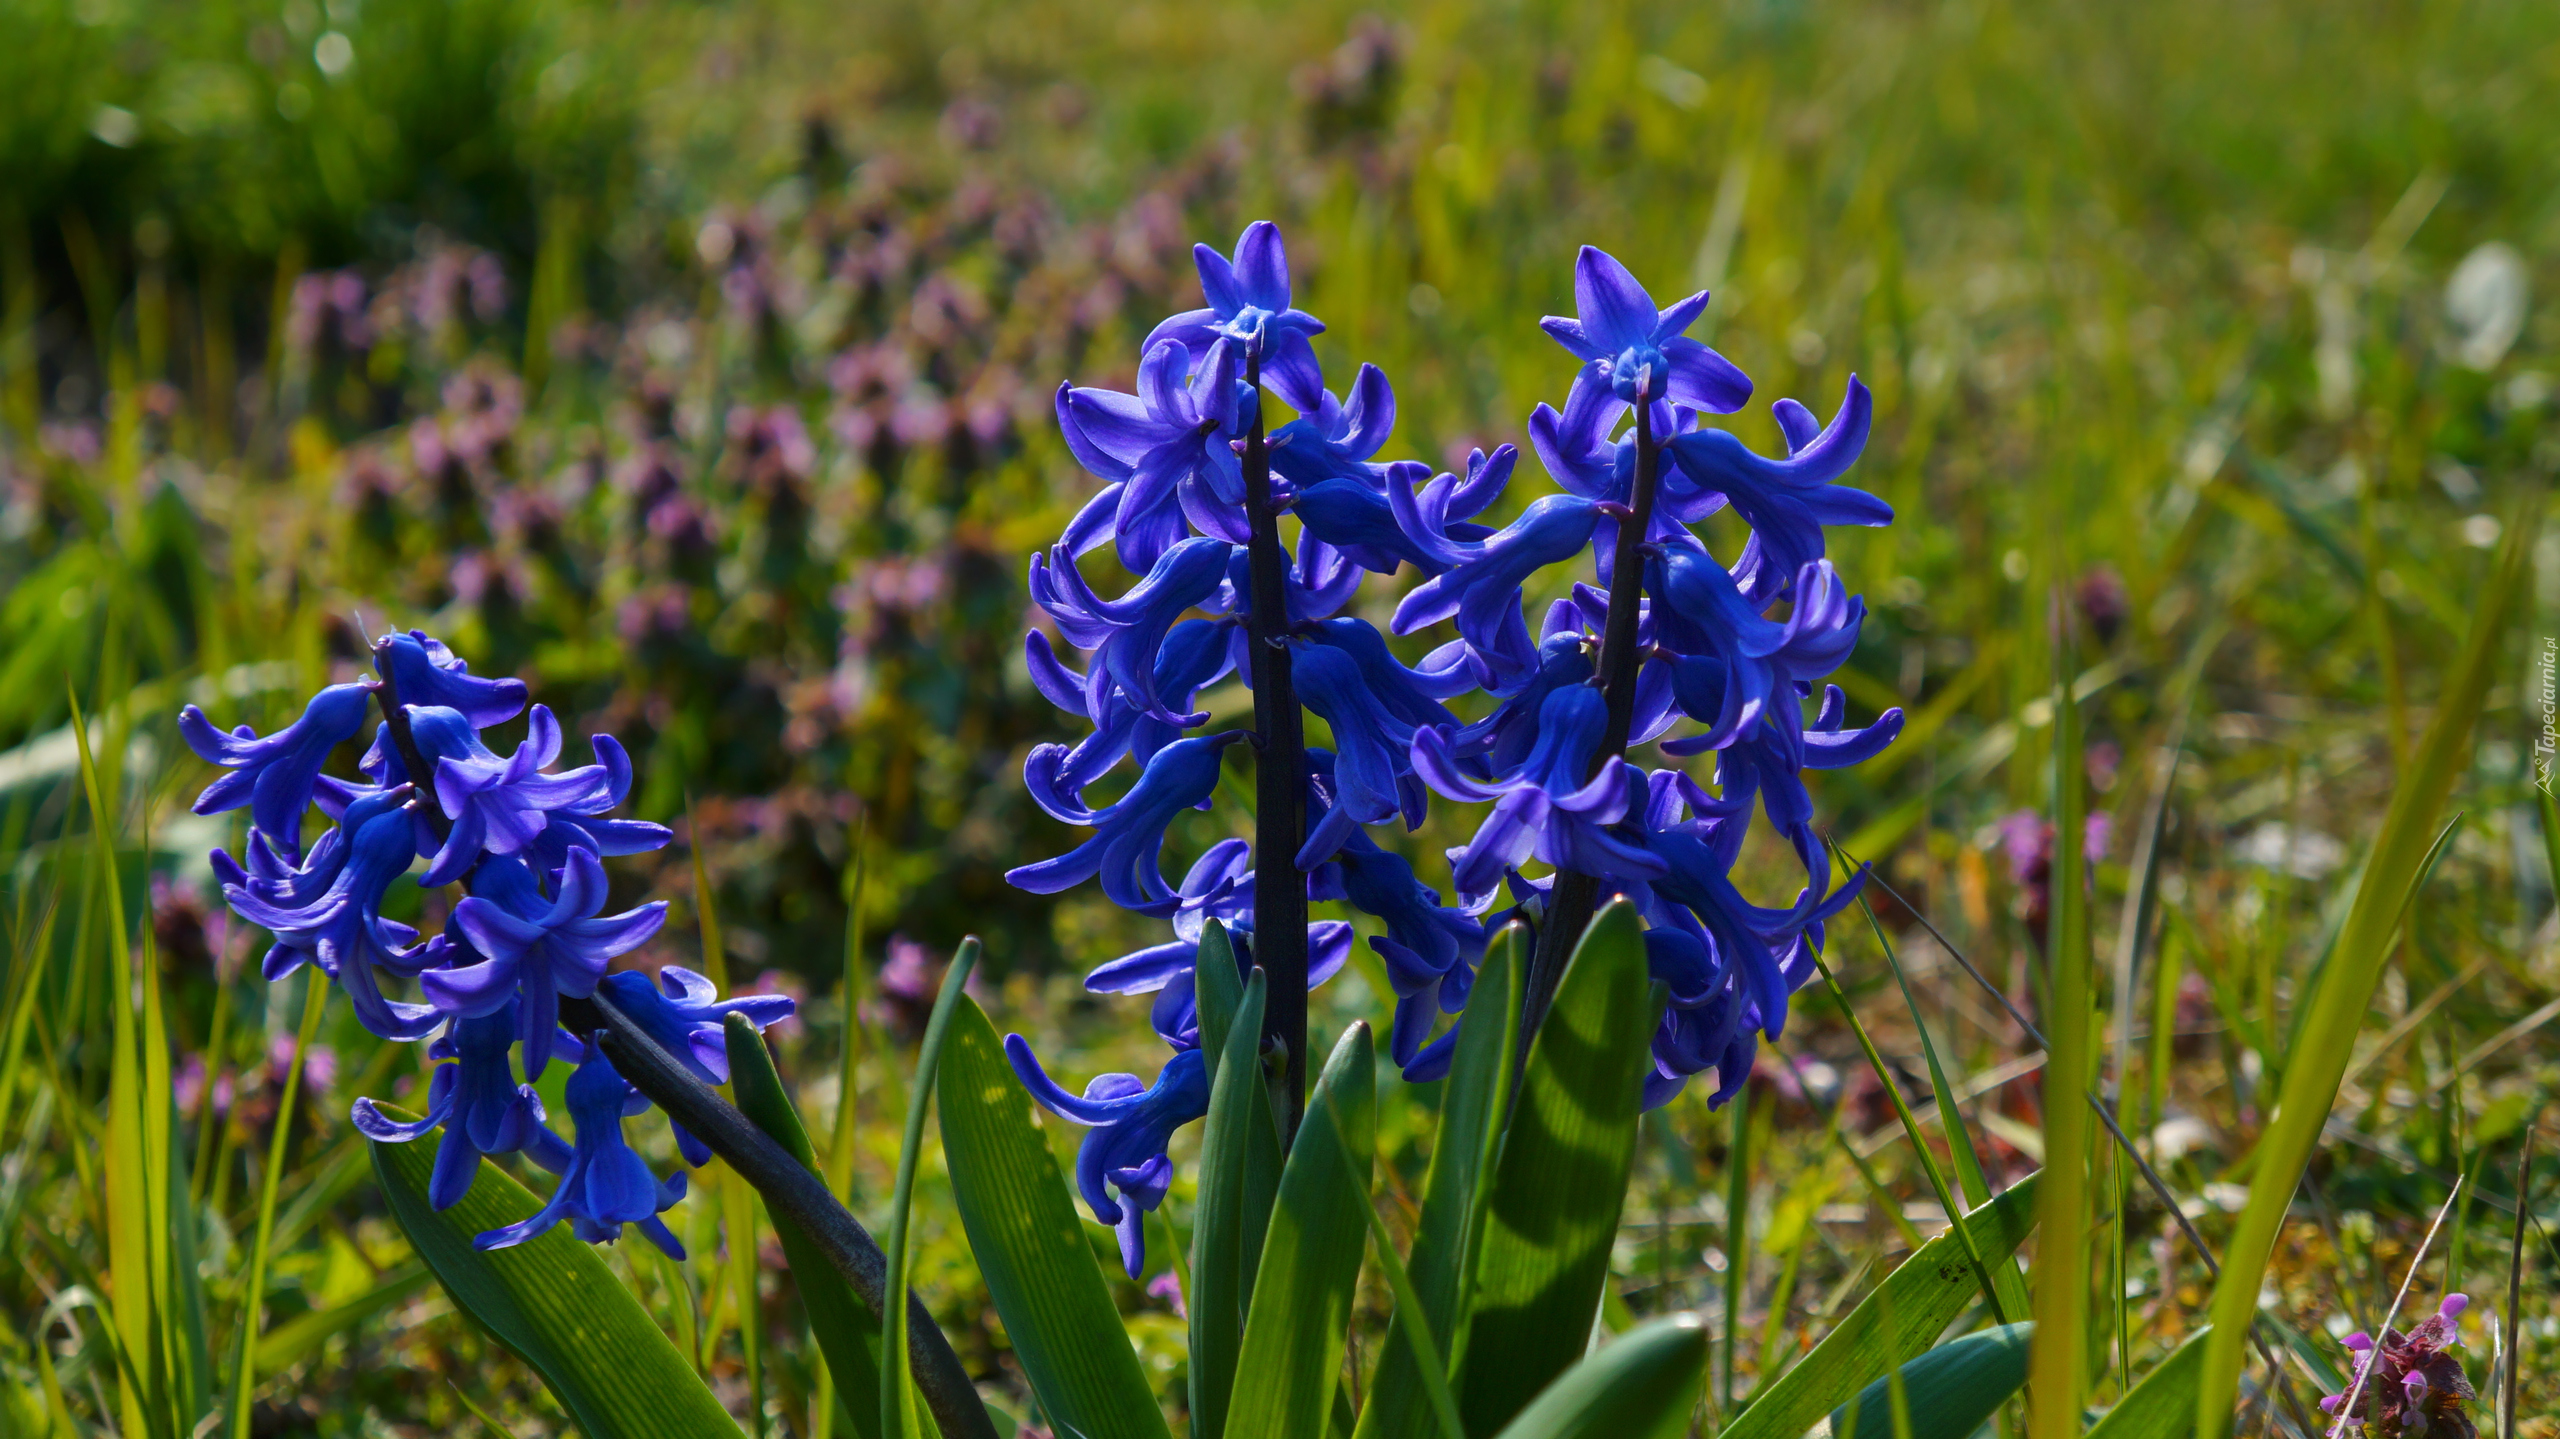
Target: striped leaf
{"x": 1562, "y": 1177}
{"x": 1947, "y": 1393}
{"x": 1030, "y": 1246}
{"x": 1291, "y": 1360}
{"x": 552, "y": 1301}
{"x": 1915, "y": 1302}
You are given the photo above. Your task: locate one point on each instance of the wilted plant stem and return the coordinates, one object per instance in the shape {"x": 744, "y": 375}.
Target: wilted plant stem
{"x": 1576, "y": 897}
{"x": 1280, "y": 892}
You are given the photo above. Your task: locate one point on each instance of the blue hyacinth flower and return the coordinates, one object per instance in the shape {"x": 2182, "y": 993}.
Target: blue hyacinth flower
{"x": 275, "y": 775}
{"x": 536, "y": 948}
{"x": 426, "y": 673}
{"x": 1483, "y": 589}
{"x": 1372, "y": 766}
{"x": 1336, "y": 438}
{"x": 1126, "y": 634}
{"x": 342, "y": 930}
{"x": 1787, "y": 502}
{"x": 1127, "y": 849}
{"x": 1643, "y": 352}
{"x": 1249, "y": 304}
{"x": 1194, "y": 655}
{"x": 1552, "y": 807}
{"x": 1132, "y": 1123}
{"x": 502, "y": 806}
{"x": 474, "y": 1097}
{"x": 683, "y": 1012}
{"x": 604, "y": 1185}
{"x": 1165, "y": 451}
{"x": 1430, "y": 950}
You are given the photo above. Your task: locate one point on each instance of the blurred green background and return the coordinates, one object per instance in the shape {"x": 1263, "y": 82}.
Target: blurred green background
{"x": 695, "y": 362}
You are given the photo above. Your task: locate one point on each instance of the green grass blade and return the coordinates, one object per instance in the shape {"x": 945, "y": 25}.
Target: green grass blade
{"x": 552, "y": 1301}
{"x": 1641, "y": 1387}
{"x": 1905, "y": 1314}
{"x": 1562, "y": 1178}
{"x": 2163, "y": 1404}
{"x": 897, "y": 1380}
{"x": 1291, "y": 1360}
{"x": 1030, "y": 1246}
{"x": 2007, "y": 1285}
{"x": 244, "y": 1380}
{"x": 2062, "y": 1286}
{"x": 1462, "y": 1155}
{"x": 848, "y": 1333}
{"x": 300, "y": 1338}
{"x": 1993, "y": 1292}
{"x": 1432, "y": 1370}
{"x": 1948, "y": 1392}
{"x": 2337, "y": 1008}
{"x": 1239, "y": 1176}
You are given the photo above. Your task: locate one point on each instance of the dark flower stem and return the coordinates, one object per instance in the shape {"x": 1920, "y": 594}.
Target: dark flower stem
{"x": 1279, "y": 891}
{"x": 788, "y": 1187}
{"x": 1574, "y": 898}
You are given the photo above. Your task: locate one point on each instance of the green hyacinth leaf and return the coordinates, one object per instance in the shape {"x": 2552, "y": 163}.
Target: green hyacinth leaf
{"x": 1919, "y": 1298}
{"x": 552, "y": 1301}
{"x": 2163, "y": 1405}
{"x": 848, "y": 1333}
{"x": 1562, "y": 1178}
{"x": 1291, "y": 1362}
{"x": 1947, "y": 1393}
{"x": 1239, "y": 1178}
{"x": 1470, "y": 1135}
{"x": 1031, "y": 1248}
{"x": 1642, "y": 1386}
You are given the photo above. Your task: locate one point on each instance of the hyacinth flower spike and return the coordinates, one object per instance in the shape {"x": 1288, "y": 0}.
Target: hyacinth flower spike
{"x": 1164, "y": 450}
{"x": 1336, "y": 438}
{"x": 343, "y": 931}
{"x": 1787, "y": 502}
{"x": 275, "y": 775}
{"x": 1430, "y": 950}
{"x": 1483, "y": 589}
{"x": 1548, "y": 808}
{"x": 474, "y": 1096}
{"x": 426, "y": 673}
{"x": 1195, "y": 654}
{"x": 1127, "y": 850}
{"x": 1373, "y": 777}
{"x": 502, "y": 806}
{"x": 683, "y": 1011}
{"x": 1644, "y": 353}
{"x": 604, "y": 1185}
{"x": 1126, "y": 634}
{"x": 537, "y": 947}
{"x": 1249, "y": 304}
{"x": 1132, "y": 1123}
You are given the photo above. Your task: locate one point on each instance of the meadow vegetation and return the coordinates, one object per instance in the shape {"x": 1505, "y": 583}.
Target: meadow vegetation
{"x": 696, "y": 364}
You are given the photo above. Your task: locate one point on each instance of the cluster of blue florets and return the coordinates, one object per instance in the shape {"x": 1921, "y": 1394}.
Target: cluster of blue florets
{"x": 527, "y": 844}
{"x": 1714, "y": 665}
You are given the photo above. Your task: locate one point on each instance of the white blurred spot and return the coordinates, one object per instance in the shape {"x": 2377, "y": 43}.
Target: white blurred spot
{"x": 2480, "y": 531}
{"x": 2485, "y": 303}
{"x": 115, "y": 125}
{"x": 2303, "y": 853}
{"x": 335, "y": 54}
{"x": 1684, "y": 88}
